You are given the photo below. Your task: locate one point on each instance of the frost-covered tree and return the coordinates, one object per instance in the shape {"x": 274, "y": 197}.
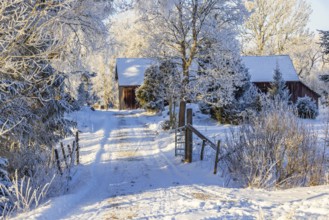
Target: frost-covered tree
{"x": 278, "y": 87}
{"x": 127, "y": 35}
{"x": 38, "y": 40}
{"x": 225, "y": 88}
{"x": 274, "y": 24}
{"x": 41, "y": 44}
{"x": 180, "y": 28}
{"x": 280, "y": 27}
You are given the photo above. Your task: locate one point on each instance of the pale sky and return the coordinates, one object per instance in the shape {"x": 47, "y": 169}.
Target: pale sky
{"x": 320, "y": 16}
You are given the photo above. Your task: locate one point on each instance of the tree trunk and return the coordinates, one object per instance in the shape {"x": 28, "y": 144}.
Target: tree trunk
{"x": 182, "y": 105}
{"x": 171, "y": 116}
{"x": 181, "y": 120}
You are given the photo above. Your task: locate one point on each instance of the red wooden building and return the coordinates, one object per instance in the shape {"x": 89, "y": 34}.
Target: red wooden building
{"x": 261, "y": 70}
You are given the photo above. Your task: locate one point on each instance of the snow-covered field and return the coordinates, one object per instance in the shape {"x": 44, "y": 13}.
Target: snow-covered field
{"x": 128, "y": 171}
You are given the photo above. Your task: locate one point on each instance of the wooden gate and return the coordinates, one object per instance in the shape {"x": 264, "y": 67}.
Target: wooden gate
{"x": 189, "y": 130}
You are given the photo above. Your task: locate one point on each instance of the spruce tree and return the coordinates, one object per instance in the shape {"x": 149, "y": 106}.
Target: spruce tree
{"x": 150, "y": 93}
{"x": 278, "y": 89}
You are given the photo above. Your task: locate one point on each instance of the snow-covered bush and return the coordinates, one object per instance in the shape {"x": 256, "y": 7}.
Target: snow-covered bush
{"x": 306, "y": 108}
{"x": 275, "y": 149}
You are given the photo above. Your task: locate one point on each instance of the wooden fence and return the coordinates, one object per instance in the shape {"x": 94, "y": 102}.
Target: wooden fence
{"x": 68, "y": 157}
{"x": 189, "y": 131}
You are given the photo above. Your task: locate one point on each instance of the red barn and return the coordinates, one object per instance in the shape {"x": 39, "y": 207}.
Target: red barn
{"x": 261, "y": 70}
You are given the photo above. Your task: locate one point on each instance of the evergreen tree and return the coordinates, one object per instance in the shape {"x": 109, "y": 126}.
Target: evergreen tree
{"x": 278, "y": 89}
{"x": 150, "y": 93}
{"x": 161, "y": 84}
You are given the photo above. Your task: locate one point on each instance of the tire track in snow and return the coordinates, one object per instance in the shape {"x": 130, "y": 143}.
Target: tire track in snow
{"x": 166, "y": 192}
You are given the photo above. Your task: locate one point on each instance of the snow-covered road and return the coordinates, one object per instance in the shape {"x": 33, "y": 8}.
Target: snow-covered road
{"x": 129, "y": 172}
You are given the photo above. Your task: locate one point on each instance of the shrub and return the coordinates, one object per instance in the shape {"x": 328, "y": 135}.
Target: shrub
{"x": 306, "y": 108}
{"x": 275, "y": 149}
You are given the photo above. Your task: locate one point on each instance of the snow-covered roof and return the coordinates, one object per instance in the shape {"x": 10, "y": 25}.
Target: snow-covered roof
{"x": 261, "y": 68}
{"x": 130, "y": 71}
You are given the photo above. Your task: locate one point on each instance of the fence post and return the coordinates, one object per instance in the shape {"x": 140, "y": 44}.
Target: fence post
{"x": 64, "y": 155}
{"x": 217, "y": 154}
{"x": 202, "y": 149}
{"x": 73, "y": 153}
{"x": 77, "y": 146}
{"x": 58, "y": 162}
{"x": 188, "y": 137}
{"x": 70, "y": 151}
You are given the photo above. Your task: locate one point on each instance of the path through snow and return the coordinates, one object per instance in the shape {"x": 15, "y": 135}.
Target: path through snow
{"x": 130, "y": 172}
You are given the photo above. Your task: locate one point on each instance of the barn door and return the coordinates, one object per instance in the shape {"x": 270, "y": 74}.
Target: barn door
{"x": 130, "y": 98}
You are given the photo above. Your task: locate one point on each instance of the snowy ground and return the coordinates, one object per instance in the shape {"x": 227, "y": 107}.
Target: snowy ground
{"x": 129, "y": 171}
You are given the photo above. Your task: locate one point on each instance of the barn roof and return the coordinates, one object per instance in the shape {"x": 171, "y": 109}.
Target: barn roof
{"x": 130, "y": 71}
{"x": 261, "y": 68}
